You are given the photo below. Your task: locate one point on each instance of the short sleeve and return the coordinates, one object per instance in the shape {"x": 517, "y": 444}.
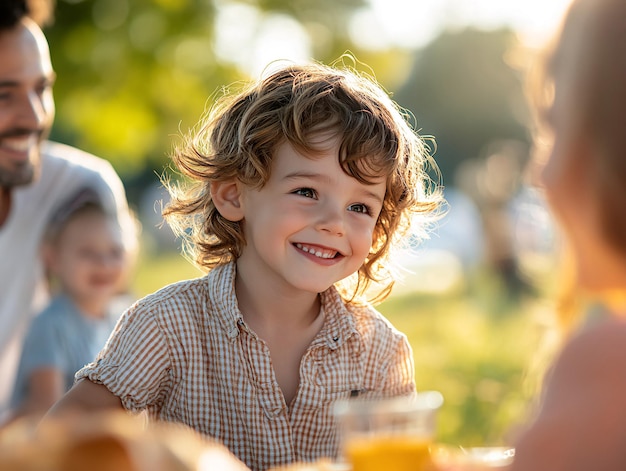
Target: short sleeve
{"x": 135, "y": 363}
{"x": 399, "y": 377}
{"x": 42, "y": 347}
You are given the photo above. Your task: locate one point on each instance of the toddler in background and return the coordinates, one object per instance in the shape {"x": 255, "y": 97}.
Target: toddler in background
{"x": 85, "y": 261}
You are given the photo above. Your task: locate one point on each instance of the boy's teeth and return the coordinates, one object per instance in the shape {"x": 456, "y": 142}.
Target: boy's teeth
{"x": 317, "y": 253}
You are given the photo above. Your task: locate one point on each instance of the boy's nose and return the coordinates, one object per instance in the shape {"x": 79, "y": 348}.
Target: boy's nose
{"x": 332, "y": 220}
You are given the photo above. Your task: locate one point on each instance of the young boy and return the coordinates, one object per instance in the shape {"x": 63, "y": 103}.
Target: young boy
{"x": 302, "y": 183}
{"x": 84, "y": 255}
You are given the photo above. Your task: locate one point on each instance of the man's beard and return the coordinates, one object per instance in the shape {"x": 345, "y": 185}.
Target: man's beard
{"x": 24, "y": 174}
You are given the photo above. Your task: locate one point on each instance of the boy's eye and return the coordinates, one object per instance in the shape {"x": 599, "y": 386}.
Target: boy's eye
{"x": 306, "y": 192}
{"x": 359, "y": 208}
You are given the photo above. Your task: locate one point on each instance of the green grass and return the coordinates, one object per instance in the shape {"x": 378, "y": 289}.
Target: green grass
{"x": 474, "y": 345}
{"x": 158, "y": 269}
{"x": 475, "y": 357}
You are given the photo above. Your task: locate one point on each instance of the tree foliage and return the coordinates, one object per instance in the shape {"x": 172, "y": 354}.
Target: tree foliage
{"x": 134, "y": 74}
{"x": 463, "y": 91}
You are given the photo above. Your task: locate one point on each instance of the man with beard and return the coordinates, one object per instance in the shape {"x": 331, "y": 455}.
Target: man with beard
{"x": 36, "y": 176}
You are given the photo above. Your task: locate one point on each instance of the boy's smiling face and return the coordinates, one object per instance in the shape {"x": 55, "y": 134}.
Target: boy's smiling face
{"x": 311, "y": 225}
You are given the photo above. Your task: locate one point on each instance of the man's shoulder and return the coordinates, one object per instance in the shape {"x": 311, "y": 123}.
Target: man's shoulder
{"x": 63, "y": 155}
{"x": 67, "y": 170}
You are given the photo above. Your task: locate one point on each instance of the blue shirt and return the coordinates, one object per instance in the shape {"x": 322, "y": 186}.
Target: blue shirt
{"x": 60, "y": 337}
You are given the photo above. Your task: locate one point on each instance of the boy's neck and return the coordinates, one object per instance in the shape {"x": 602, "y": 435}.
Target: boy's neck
{"x": 93, "y": 309}
{"x": 287, "y": 323}
{"x": 262, "y": 306}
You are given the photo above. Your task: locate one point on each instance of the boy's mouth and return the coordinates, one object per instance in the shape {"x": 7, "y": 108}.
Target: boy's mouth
{"x": 319, "y": 252}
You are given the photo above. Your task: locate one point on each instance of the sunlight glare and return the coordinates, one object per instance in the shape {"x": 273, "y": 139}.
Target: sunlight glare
{"x": 251, "y": 39}
{"x": 412, "y": 24}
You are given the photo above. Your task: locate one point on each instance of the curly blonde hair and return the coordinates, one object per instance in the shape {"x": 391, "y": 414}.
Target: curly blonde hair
{"x": 238, "y": 138}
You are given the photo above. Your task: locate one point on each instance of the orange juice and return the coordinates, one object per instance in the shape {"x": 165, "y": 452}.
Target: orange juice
{"x": 393, "y": 452}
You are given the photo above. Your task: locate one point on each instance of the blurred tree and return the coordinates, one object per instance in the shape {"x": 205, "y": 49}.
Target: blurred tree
{"x": 129, "y": 73}
{"x": 463, "y": 91}
{"x": 133, "y": 74}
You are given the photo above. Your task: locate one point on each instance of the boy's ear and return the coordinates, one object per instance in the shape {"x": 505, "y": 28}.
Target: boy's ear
{"x": 227, "y": 199}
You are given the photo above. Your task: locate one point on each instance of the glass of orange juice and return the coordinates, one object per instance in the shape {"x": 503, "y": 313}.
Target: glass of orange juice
{"x": 395, "y": 433}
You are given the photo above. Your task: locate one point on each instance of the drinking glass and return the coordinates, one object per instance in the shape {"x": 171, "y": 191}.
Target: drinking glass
{"x": 395, "y": 433}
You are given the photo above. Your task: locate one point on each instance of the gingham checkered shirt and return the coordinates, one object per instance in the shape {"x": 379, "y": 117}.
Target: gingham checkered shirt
{"x": 186, "y": 355}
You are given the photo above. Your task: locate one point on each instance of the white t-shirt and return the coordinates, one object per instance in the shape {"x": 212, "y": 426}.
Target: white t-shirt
{"x": 65, "y": 170}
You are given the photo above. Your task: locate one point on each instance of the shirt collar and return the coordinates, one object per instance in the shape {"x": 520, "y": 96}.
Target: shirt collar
{"x": 339, "y": 325}
{"x": 222, "y": 299}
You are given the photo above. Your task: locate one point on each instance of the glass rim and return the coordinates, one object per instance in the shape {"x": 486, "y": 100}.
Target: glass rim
{"x": 422, "y": 401}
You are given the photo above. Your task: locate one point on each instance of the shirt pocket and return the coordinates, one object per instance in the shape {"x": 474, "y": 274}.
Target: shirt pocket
{"x": 332, "y": 376}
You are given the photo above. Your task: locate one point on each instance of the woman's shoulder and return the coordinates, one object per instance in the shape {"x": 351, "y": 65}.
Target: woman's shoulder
{"x": 583, "y": 403}
{"x": 594, "y": 360}
{"x": 603, "y": 341}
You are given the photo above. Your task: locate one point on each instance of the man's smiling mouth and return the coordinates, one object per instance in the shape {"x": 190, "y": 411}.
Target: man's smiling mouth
{"x": 19, "y": 143}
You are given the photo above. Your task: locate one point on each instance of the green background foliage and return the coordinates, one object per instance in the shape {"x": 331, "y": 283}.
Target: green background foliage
{"x": 132, "y": 75}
